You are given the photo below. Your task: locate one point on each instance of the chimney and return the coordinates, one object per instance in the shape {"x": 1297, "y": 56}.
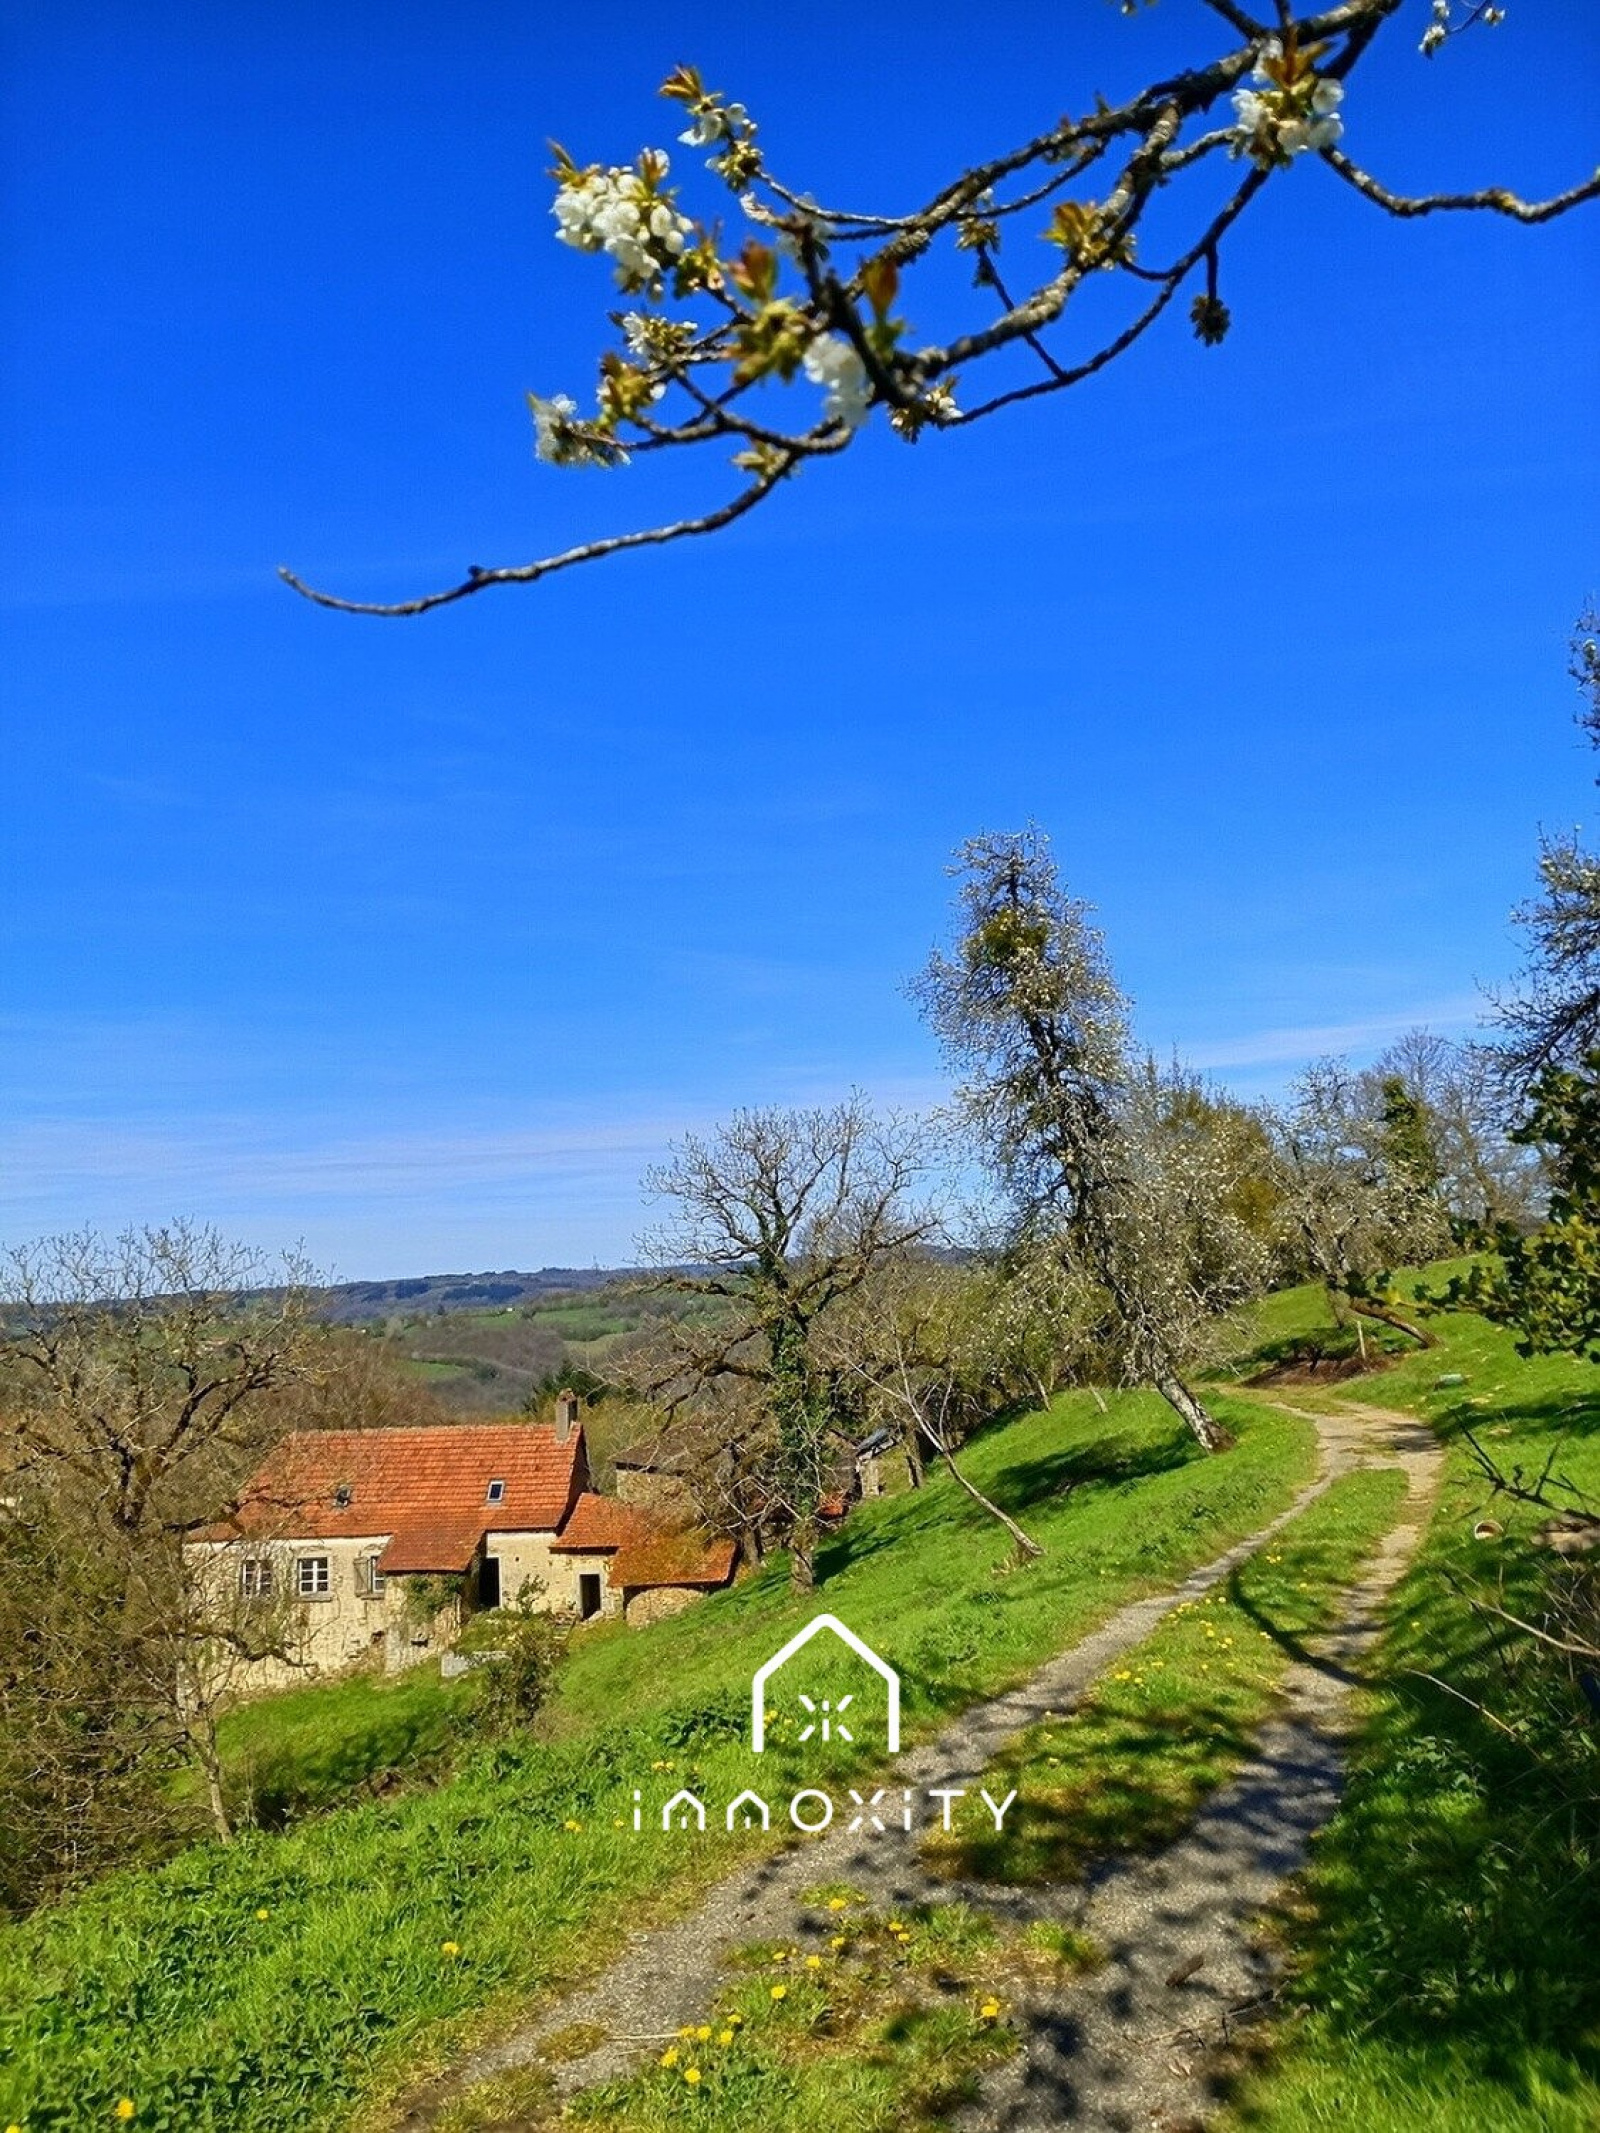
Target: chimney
{"x": 566, "y": 1414}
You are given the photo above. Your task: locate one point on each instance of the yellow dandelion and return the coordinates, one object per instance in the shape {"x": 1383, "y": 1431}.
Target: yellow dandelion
{"x": 13, "y": 2128}
{"x": 895, "y": 1926}
{"x": 989, "y": 2010}
{"x": 449, "y": 1947}
{"x": 735, "y": 2019}
{"x": 724, "y": 2036}
{"x": 126, "y": 2108}
{"x": 703, "y": 2033}
{"x": 687, "y": 2032}
{"x": 691, "y": 2074}
{"x": 838, "y": 1941}
{"x": 1125, "y": 1675}
{"x": 838, "y": 1903}
{"x": 617, "y": 1824}
{"x": 658, "y": 1766}
{"x": 670, "y": 2056}
{"x": 813, "y": 1962}
{"x": 570, "y": 1824}
{"x": 780, "y": 1992}
{"x": 261, "y": 1915}
{"x": 782, "y": 1956}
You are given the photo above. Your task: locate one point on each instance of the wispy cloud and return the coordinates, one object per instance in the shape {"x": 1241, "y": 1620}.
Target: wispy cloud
{"x": 1311, "y": 1040}
{"x": 561, "y": 1187}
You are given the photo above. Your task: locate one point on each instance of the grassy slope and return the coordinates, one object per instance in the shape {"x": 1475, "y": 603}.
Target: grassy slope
{"x": 1452, "y": 1950}
{"x": 315, "y": 1747}
{"x": 281, "y": 1981}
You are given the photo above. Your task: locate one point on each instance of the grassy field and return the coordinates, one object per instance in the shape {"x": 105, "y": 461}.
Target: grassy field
{"x": 1446, "y": 1953}
{"x": 293, "y": 1978}
{"x": 1449, "y": 1949}
{"x": 491, "y": 1360}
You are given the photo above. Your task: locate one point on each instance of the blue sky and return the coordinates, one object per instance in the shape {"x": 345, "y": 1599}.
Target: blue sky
{"x": 418, "y": 940}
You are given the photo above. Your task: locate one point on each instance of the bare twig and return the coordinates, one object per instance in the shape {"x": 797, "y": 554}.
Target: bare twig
{"x": 1492, "y": 199}
{"x": 478, "y": 580}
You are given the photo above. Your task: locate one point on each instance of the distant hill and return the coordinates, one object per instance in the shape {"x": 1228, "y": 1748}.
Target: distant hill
{"x": 354, "y": 1303}
{"x": 488, "y": 1343}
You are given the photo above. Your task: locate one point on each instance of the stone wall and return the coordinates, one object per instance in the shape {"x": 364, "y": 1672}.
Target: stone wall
{"x": 654, "y": 1603}
{"x": 327, "y": 1633}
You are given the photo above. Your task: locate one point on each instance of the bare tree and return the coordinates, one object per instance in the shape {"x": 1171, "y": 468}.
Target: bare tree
{"x": 918, "y": 1338}
{"x": 777, "y": 1216}
{"x": 1487, "y": 1180}
{"x": 138, "y": 1373}
{"x": 1351, "y": 1212}
{"x": 1104, "y": 1161}
{"x": 811, "y": 293}
{"x": 139, "y": 1366}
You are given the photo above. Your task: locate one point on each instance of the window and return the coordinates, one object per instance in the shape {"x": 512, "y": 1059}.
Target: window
{"x": 343, "y": 1496}
{"x": 497, "y": 1490}
{"x": 311, "y": 1577}
{"x": 369, "y": 1578}
{"x": 255, "y": 1578}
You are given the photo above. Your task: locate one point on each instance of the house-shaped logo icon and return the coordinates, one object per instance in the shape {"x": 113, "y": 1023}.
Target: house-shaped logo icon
{"x": 827, "y": 1721}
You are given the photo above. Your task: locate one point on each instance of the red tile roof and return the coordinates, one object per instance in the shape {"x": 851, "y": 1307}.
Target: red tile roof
{"x": 646, "y": 1549}
{"x": 427, "y": 1489}
{"x": 599, "y": 1524}
{"x": 666, "y": 1558}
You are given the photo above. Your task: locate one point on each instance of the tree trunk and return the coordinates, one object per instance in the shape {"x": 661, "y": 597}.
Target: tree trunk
{"x": 1184, "y": 1403}
{"x": 802, "y": 1556}
{"x": 203, "y": 1737}
{"x": 1387, "y": 1317}
{"x": 1099, "y": 1399}
{"x": 1026, "y": 1544}
{"x": 914, "y": 1473}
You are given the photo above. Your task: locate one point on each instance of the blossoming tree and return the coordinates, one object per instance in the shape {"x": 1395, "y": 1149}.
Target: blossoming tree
{"x": 809, "y": 299}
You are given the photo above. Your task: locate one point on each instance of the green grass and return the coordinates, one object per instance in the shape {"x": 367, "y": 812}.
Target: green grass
{"x": 862, "y": 2024}
{"x": 394, "y": 1928}
{"x": 1126, "y": 1769}
{"x": 1448, "y": 1950}
{"x": 1121, "y": 1503}
{"x": 320, "y": 1746}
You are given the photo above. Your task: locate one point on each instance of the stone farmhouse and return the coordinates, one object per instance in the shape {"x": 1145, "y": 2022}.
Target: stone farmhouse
{"x": 376, "y": 1546}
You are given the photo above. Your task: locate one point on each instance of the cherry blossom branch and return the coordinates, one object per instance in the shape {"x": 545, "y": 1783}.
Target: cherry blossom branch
{"x": 786, "y": 314}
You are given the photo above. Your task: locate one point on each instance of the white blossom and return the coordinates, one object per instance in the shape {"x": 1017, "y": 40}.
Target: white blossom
{"x": 1276, "y": 123}
{"x": 711, "y": 125}
{"x": 557, "y": 441}
{"x": 618, "y": 212}
{"x": 832, "y": 363}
